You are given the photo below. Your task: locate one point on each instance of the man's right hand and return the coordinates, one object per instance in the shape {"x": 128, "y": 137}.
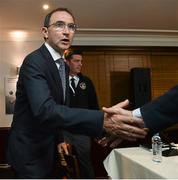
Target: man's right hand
{"x": 120, "y": 123}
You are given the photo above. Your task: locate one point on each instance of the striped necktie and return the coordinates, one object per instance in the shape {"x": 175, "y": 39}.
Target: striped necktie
{"x": 62, "y": 74}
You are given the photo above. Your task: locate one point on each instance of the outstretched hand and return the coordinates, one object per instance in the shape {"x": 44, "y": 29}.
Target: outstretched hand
{"x": 120, "y": 123}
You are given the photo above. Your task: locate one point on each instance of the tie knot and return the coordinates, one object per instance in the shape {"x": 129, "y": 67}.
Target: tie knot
{"x": 72, "y": 80}
{"x": 60, "y": 61}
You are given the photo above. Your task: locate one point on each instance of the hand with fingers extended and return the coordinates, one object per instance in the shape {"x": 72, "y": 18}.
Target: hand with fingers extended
{"x": 120, "y": 123}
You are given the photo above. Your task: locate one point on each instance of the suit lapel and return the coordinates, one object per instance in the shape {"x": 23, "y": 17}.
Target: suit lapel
{"x": 80, "y": 80}
{"x": 52, "y": 67}
{"x": 55, "y": 73}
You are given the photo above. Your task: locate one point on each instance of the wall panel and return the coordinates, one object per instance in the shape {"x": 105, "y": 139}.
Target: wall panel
{"x": 164, "y": 73}
{"x": 99, "y": 65}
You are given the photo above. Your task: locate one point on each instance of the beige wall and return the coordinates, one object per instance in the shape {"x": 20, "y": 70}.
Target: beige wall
{"x": 99, "y": 65}
{"x": 11, "y": 56}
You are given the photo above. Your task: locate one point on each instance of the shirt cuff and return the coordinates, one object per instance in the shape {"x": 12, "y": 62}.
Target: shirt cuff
{"x": 137, "y": 113}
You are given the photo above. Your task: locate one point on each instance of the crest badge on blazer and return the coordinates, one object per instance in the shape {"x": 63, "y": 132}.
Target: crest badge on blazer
{"x": 82, "y": 85}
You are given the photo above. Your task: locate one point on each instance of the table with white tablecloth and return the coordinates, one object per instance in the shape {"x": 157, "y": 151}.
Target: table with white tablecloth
{"x": 136, "y": 162}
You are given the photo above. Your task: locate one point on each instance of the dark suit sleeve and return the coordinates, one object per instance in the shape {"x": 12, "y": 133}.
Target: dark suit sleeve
{"x": 162, "y": 112}
{"x": 59, "y": 136}
{"x": 46, "y": 111}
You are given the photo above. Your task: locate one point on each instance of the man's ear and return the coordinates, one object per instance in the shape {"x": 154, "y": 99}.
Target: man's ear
{"x": 45, "y": 32}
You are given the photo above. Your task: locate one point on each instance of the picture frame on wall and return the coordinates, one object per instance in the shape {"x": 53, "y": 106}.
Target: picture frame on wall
{"x": 10, "y": 90}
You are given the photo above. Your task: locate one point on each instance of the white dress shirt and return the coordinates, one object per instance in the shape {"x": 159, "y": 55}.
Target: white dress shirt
{"x": 76, "y": 80}
{"x": 55, "y": 55}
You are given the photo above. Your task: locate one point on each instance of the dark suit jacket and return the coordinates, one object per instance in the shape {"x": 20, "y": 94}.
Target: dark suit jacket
{"x": 85, "y": 94}
{"x": 84, "y": 97}
{"x": 39, "y": 113}
{"x": 162, "y": 112}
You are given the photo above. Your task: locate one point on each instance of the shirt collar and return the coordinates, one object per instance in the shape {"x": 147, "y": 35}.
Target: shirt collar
{"x": 75, "y": 77}
{"x": 55, "y": 55}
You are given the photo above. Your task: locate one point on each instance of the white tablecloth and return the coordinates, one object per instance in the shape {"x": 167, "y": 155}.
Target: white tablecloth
{"x": 136, "y": 162}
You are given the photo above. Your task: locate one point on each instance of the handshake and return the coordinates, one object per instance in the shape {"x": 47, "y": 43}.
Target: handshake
{"x": 120, "y": 125}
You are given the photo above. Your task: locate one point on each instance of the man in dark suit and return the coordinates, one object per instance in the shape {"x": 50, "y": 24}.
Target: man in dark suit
{"x": 161, "y": 112}
{"x": 82, "y": 95}
{"x": 157, "y": 114}
{"x": 41, "y": 99}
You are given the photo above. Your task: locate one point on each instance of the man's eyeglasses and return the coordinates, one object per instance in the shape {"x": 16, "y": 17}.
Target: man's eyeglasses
{"x": 60, "y": 26}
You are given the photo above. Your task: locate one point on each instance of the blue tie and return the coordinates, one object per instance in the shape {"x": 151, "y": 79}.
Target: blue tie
{"x": 62, "y": 74}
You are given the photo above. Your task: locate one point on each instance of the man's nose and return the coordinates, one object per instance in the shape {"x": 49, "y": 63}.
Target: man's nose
{"x": 66, "y": 30}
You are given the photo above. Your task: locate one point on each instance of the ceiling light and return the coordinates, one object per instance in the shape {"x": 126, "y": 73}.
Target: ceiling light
{"x": 45, "y": 6}
{"x": 18, "y": 35}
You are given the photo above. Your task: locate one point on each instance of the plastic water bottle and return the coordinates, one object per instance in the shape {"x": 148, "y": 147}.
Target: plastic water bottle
{"x": 157, "y": 148}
